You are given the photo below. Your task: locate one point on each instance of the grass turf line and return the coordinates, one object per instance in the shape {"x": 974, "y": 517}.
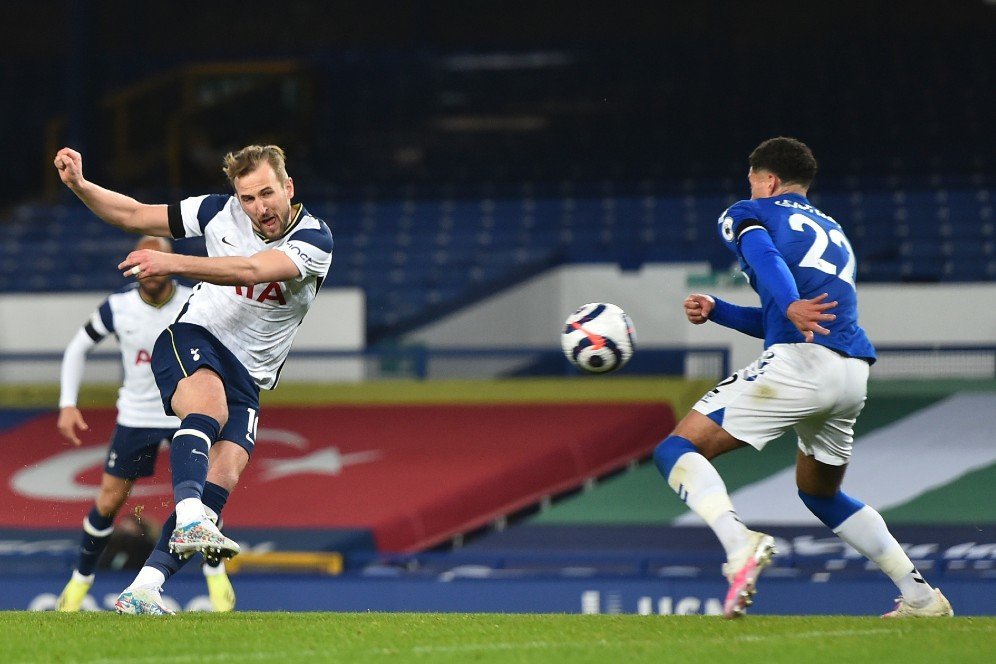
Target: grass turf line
{"x": 105, "y": 638}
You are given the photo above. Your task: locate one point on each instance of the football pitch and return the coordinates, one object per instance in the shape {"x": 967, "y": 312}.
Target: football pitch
{"x": 106, "y": 638}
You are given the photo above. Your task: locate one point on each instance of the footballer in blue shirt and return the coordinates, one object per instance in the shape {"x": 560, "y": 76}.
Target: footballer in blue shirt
{"x": 811, "y": 376}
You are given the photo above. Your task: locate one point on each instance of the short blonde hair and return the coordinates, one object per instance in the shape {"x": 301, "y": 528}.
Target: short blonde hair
{"x": 250, "y": 157}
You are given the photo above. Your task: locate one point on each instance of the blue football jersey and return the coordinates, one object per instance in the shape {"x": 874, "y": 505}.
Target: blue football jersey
{"x": 820, "y": 259}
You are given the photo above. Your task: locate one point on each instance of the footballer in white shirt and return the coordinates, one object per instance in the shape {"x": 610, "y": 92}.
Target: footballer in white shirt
{"x": 135, "y": 315}
{"x": 267, "y": 258}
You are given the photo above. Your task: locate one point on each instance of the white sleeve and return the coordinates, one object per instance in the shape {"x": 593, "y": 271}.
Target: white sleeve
{"x": 73, "y": 361}
{"x": 196, "y": 213}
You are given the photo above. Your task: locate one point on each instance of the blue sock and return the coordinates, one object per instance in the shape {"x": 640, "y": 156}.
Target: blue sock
{"x": 214, "y": 498}
{"x": 669, "y": 451}
{"x": 169, "y": 564}
{"x": 97, "y": 531}
{"x": 832, "y": 511}
{"x": 160, "y": 558}
{"x": 188, "y": 455}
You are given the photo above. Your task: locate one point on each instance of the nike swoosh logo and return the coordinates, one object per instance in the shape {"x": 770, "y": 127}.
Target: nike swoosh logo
{"x": 199, "y": 452}
{"x": 225, "y": 241}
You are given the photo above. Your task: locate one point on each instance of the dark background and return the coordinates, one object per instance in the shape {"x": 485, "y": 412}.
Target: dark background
{"x": 447, "y": 93}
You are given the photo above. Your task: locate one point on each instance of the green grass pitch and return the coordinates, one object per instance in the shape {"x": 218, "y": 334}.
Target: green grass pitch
{"x": 106, "y": 638}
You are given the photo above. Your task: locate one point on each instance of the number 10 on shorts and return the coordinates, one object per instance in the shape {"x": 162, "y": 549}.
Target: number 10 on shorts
{"x": 251, "y": 428}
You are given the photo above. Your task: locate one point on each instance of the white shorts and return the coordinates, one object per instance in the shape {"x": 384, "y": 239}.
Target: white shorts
{"x": 806, "y": 386}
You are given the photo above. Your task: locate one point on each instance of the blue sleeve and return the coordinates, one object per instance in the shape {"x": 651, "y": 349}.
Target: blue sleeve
{"x": 210, "y": 207}
{"x": 735, "y": 219}
{"x": 320, "y": 238}
{"x": 770, "y": 269}
{"x": 106, "y": 316}
{"x": 749, "y": 320}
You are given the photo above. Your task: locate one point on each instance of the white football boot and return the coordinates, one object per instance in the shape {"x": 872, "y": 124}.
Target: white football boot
{"x": 742, "y": 571}
{"x": 938, "y": 607}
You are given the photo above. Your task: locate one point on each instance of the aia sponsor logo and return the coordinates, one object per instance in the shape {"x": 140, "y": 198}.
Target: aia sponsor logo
{"x": 143, "y": 357}
{"x": 271, "y": 292}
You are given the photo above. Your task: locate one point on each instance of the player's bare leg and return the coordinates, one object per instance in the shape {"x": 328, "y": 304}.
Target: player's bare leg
{"x": 228, "y": 460}
{"x": 864, "y": 529}
{"x": 97, "y": 528}
{"x": 683, "y": 459}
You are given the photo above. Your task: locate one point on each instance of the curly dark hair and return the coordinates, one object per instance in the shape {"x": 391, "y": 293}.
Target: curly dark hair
{"x": 788, "y": 158}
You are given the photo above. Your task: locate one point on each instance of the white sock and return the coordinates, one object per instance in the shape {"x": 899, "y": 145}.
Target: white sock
{"x": 700, "y": 486}
{"x": 217, "y": 570}
{"x": 865, "y": 530}
{"x": 189, "y": 510}
{"x": 80, "y": 577}
{"x": 148, "y": 576}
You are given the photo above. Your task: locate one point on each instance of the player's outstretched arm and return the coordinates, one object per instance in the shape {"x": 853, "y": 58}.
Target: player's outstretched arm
{"x": 263, "y": 267}
{"x": 114, "y": 208}
{"x": 699, "y": 308}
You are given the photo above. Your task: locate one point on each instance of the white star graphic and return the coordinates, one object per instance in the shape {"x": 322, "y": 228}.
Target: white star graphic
{"x": 327, "y": 462}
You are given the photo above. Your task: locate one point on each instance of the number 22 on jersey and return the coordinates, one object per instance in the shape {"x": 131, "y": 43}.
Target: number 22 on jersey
{"x": 821, "y": 240}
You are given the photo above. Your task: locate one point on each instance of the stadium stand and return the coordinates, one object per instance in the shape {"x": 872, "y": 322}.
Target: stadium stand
{"x": 450, "y": 169}
{"x": 419, "y": 258}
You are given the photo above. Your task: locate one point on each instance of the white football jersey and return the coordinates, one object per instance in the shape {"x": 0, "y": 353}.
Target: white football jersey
{"x": 257, "y": 323}
{"x": 137, "y": 325}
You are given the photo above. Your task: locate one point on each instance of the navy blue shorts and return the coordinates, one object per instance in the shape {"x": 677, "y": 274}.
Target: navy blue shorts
{"x": 182, "y": 349}
{"x": 134, "y": 451}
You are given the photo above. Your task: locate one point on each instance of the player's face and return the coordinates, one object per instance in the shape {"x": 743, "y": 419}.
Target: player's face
{"x": 266, "y": 200}
{"x": 155, "y": 289}
{"x": 762, "y": 183}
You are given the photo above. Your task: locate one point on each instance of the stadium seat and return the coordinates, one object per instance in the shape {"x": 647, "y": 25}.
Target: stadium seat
{"x": 412, "y": 255}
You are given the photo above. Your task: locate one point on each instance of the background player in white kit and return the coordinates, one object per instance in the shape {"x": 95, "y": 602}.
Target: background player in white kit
{"x": 135, "y": 315}
{"x": 812, "y": 377}
{"x": 266, "y": 261}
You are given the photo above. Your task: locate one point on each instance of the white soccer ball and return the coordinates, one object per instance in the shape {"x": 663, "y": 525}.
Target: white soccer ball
{"x": 598, "y": 338}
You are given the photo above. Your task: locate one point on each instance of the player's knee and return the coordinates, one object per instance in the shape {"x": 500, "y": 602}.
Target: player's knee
{"x": 212, "y": 409}
{"x": 221, "y": 415}
{"x": 217, "y": 412}
{"x": 667, "y": 453}
{"x": 202, "y": 392}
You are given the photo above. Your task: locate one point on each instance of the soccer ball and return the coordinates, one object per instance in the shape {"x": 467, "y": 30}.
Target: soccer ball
{"x": 598, "y": 338}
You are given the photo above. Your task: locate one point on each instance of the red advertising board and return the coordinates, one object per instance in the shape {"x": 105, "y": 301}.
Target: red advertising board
{"x": 413, "y": 475}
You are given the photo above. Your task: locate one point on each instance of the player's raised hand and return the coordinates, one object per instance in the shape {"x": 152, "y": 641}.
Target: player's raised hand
{"x": 69, "y": 163}
{"x": 145, "y": 263}
{"x": 698, "y": 307}
{"x": 71, "y": 419}
{"x": 807, "y": 315}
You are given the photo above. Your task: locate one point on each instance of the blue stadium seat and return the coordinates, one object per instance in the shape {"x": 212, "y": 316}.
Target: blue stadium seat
{"x": 415, "y": 255}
